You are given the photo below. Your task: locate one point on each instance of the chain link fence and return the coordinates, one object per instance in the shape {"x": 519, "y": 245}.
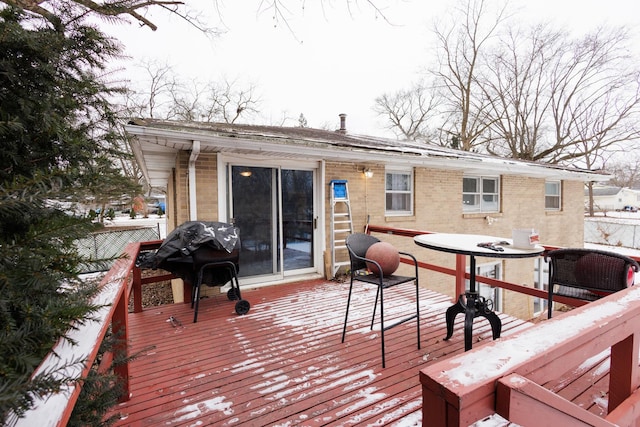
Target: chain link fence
{"x": 104, "y": 247}
{"x": 612, "y": 233}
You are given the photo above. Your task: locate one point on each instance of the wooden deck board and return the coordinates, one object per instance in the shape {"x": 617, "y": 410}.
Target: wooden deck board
{"x": 586, "y": 385}
{"x": 284, "y": 364}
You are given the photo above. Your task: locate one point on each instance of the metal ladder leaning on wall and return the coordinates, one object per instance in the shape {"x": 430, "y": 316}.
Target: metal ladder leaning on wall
{"x": 341, "y": 225}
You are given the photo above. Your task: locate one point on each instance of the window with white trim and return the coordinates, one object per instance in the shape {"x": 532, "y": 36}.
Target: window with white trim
{"x": 480, "y": 194}
{"x": 540, "y": 281}
{"x": 552, "y": 195}
{"x": 398, "y": 191}
{"x": 494, "y": 271}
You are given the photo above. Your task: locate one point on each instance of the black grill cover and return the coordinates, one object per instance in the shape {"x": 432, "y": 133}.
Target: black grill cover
{"x": 178, "y": 247}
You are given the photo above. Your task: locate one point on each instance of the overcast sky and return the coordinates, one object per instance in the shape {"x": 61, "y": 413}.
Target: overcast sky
{"x": 325, "y": 62}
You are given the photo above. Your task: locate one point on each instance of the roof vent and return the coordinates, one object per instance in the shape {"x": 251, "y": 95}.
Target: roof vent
{"x": 343, "y": 123}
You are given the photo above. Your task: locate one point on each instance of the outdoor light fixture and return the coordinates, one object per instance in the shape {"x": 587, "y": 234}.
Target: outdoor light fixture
{"x": 246, "y": 173}
{"x": 368, "y": 173}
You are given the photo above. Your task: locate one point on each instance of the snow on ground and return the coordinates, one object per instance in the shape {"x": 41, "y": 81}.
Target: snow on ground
{"x": 624, "y": 217}
{"x": 631, "y": 218}
{"x": 616, "y": 249}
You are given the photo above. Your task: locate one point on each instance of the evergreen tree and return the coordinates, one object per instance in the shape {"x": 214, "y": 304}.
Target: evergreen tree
{"x": 55, "y": 132}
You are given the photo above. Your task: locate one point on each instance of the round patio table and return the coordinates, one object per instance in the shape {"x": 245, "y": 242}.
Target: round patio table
{"x": 471, "y": 303}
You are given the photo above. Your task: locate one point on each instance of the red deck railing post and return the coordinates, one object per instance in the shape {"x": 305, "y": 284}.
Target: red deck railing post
{"x": 120, "y": 327}
{"x": 436, "y": 409}
{"x": 461, "y": 264}
{"x": 623, "y": 373}
{"x": 137, "y": 290}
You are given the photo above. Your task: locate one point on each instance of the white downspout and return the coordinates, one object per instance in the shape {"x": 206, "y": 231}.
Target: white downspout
{"x": 193, "y": 208}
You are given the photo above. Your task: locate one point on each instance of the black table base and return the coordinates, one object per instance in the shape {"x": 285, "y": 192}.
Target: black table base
{"x": 471, "y": 303}
{"x": 474, "y": 306}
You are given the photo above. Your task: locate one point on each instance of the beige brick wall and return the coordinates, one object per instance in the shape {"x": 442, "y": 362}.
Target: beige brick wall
{"x": 207, "y": 187}
{"x": 437, "y": 208}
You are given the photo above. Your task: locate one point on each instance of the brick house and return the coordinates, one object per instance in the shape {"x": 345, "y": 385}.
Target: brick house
{"x": 274, "y": 183}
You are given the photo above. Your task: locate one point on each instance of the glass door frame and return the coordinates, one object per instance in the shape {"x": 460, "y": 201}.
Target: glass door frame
{"x": 494, "y": 293}
{"x": 225, "y": 163}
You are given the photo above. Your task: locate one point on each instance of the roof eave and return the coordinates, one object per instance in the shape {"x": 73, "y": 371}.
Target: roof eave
{"x": 176, "y": 140}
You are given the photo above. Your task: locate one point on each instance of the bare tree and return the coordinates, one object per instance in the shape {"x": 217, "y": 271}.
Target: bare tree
{"x": 529, "y": 93}
{"x": 558, "y": 100}
{"x": 516, "y": 89}
{"x": 166, "y": 96}
{"x": 461, "y": 45}
{"x": 408, "y": 112}
{"x": 457, "y": 98}
{"x": 155, "y": 98}
{"x": 226, "y": 102}
{"x": 595, "y": 97}
{"x": 185, "y": 102}
{"x": 603, "y": 128}
{"x": 285, "y": 118}
{"x": 626, "y": 171}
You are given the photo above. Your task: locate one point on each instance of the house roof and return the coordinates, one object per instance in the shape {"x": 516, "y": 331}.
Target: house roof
{"x": 604, "y": 191}
{"x": 157, "y": 143}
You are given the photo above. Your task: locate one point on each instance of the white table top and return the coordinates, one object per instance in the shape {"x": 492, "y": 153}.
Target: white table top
{"x": 467, "y": 244}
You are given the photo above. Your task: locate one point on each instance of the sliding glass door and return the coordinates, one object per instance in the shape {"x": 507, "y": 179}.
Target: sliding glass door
{"x": 275, "y": 212}
{"x": 298, "y": 224}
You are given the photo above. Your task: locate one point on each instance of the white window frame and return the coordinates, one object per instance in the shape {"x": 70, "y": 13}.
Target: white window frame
{"x": 493, "y": 270}
{"x": 408, "y": 192}
{"x": 480, "y": 195}
{"x": 557, "y": 196}
{"x": 540, "y": 281}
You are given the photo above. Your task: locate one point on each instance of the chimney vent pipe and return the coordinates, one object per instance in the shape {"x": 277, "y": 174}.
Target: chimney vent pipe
{"x": 343, "y": 122}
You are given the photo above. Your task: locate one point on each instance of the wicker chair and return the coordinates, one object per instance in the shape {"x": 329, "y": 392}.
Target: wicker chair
{"x": 588, "y": 274}
{"x": 358, "y": 244}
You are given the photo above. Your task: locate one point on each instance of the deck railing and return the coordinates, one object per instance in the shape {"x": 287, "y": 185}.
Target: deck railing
{"x": 499, "y": 385}
{"x": 113, "y": 296}
{"x": 504, "y": 377}
{"x": 461, "y": 275}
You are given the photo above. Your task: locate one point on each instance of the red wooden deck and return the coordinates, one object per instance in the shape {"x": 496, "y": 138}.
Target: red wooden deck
{"x": 283, "y": 363}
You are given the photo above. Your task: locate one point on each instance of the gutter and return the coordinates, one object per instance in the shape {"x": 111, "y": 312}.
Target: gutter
{"x": 193, "y": 208}
{"x": 331, "y": 151}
